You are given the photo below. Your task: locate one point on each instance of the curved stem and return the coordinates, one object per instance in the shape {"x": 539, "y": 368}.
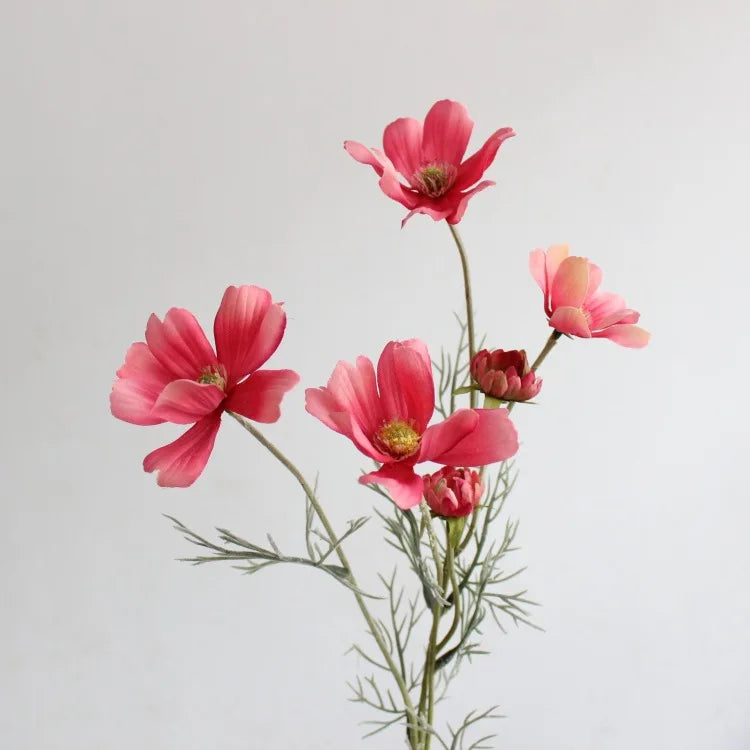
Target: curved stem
{"x": 469, "y": 304}
{"x": 411, "y": 714}
{"x": 548, "y": 347}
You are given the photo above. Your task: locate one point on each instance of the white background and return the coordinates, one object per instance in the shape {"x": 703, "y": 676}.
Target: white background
{"x": 155, "y": 152}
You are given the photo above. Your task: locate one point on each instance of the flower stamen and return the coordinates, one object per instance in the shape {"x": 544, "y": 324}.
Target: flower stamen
{"x": 213, "y": 375}
{"x": 434, "y": 179}
{"x": 398, "y": 439}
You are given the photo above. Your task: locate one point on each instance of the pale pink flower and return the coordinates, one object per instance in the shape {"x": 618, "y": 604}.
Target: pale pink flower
{"x": 453, "y": 492}
{"x": 505, "y": 375}
{"x": 386, "y": 418}
{"x": 429, "y": 156}
{"x": 175, "y": 376}
{"x": 574, "y": 304}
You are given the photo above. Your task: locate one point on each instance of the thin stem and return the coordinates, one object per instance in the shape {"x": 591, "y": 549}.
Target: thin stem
{"x": 469, "y": 304}
{"x": 451, "y": 573}
{"x": 551, "y": 341}
{"x": 411, "y": 713}
{"x": 548, "y": 347}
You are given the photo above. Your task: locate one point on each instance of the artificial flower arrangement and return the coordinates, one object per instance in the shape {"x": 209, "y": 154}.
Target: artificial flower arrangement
{"x": 439, "y": 519}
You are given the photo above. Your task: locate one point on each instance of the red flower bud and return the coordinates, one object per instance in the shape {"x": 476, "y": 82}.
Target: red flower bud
{"x": 453, "y": 492}
{"x": 505, "y": 375}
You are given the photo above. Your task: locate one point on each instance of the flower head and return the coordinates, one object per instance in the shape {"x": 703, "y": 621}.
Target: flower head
{"x": 453, "y": 492}
{"x": 574, "y": 304}
{"x": 386, "y": 416}
{"x": 176, "y": 376}
{"x": 430, "y": 158}
{"x": 505, "y": 375}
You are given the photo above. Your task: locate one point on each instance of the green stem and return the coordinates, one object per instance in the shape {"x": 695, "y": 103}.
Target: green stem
{"x": 551, "y": 341}
{"x": 548, "y": 347}
{"x": 469, "y": 304}
{"x": 411, "y": 713}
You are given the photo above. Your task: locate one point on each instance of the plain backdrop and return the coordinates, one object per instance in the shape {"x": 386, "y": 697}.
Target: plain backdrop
{"x": 154, "y": 152}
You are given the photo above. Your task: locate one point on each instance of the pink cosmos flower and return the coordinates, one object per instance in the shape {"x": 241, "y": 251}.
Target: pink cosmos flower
{"x": 175, "y": 376}
{"x": 574, "y": 304}
{"x": 453, "y": 493}
{"x": 430, "y": 159}
{"x": 505, "y": 375}
{"x": 386, "y": 418}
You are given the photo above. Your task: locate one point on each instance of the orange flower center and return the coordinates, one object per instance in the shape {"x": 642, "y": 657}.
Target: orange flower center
{"x": 214, "y": 375}
{"x": 398, "y": 439}
{"x": 435, "y": 179}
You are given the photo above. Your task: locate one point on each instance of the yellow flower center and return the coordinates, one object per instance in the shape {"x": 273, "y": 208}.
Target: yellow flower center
{"x": 213, "y": 375}
{"x": 399, "y": 439}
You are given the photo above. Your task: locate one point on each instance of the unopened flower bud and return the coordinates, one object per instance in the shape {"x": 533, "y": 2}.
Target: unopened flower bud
{"x": 453, "y": 492}
{"x": 505, "y": 375}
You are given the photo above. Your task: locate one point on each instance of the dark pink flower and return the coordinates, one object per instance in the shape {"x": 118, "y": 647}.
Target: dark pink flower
{"x": 574, "y": 304}
{"x": 505, "y": 375}
{"x": 386, "y": 418}
{"x": 430, "y": 159}
{"x": 175, "y": 376}
{"x": 453, "y": 492}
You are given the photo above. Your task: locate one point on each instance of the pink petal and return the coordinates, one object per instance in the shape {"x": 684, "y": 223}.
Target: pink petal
{"x": 389, "y": 182}
{"x": 494, "y": 438}
{"x": 259, "y": 397}
{"x": 187, "y": 401}
{"x": 429, "y": 210}
{"x": 248, "y": 329}
{"x": 570, "y": 320}
{"x": 322, "y": 404}
{"x": 405, "y": 382}
{"x": 180, "y": 463}
{"x": 628, "y": 335}
{"x": 460, "y": 209}
{"x": 553, "y": 258}
{"x": 570, "y": 283}
{"x": 402, "y": 143}
{"x": 179, "y": 343}
{"x": 355, "y": 390}
{"x": 140, "y": 381}
{"x": 403, "y": 485}
{"x": 595, "y": 280}
{"x": 605, "y": 309}
{"x": 538, "y": 269}
{"x": 447, "y": 129}
{"x": 475, "y": 166}
{"x": 440, "y": 439}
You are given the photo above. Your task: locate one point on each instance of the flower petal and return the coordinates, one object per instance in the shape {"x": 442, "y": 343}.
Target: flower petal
{"x": 628, "y": 335}
{"x": 494, "y": 438}
{"x": 447, "y": 129}
{"x": 439, "y": 439}
{"x": 407, "y": 390}
{"x": 475, "y": 166}
{"x": 402, "y": 143}
{"x": 553, "y": 258}
{"x": 248, "y": 329}
{"x": 389, "y": 182}
{"x": 355, "y": 389}
{"x": 259, "y": 397}
{"x": 403, "y": 485}
{"x": 570, "y": 320}
{"x": 187, "y": 401}
{"x": 181, "y": 462}
{"x": 460, "y": 209}
{"x": 179, "y": 343}
{"x": 538, "y": 268}
{"x": 323, "y": 405}
{"x": 570, "y": 283}
{"x": 140, "y": 381}
{"x": 428, "y": 209}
